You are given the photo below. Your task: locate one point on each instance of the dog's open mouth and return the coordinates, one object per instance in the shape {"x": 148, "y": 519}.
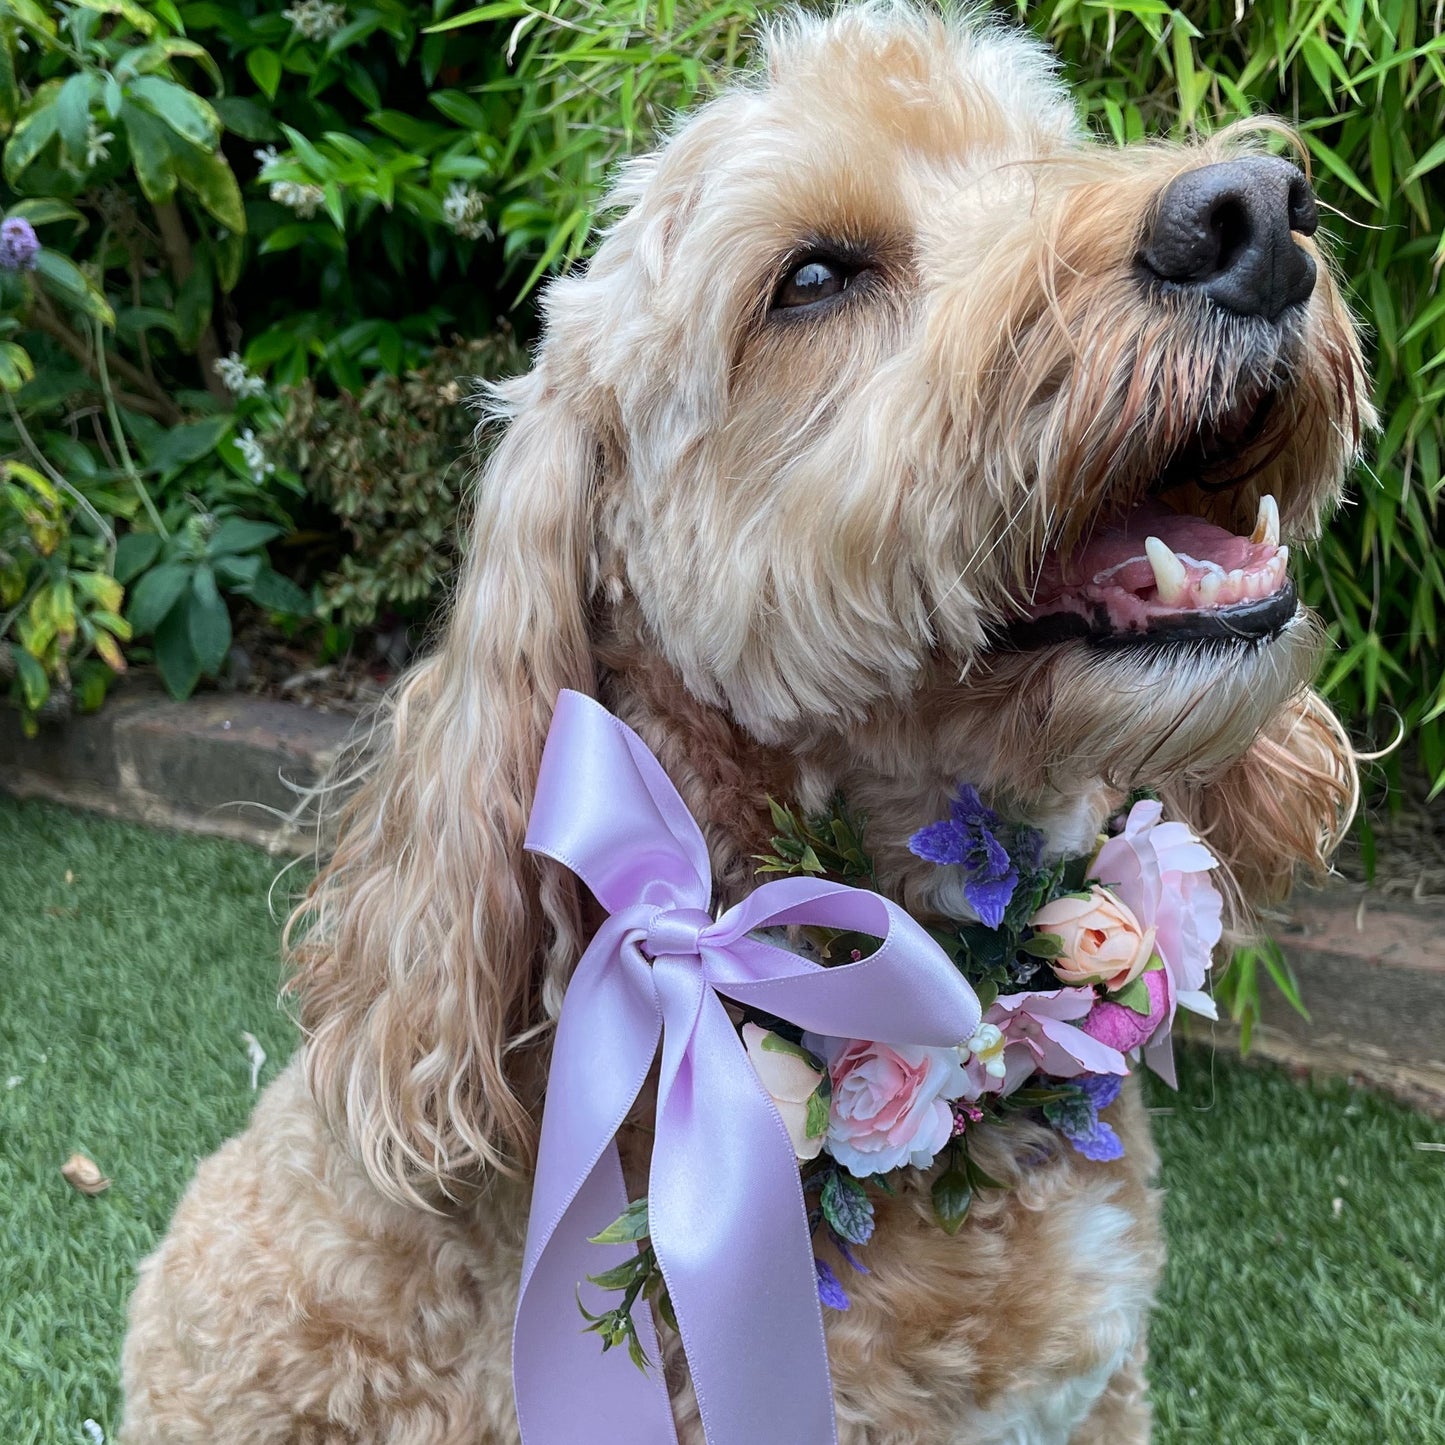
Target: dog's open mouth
{"x": 1158, "y": 576}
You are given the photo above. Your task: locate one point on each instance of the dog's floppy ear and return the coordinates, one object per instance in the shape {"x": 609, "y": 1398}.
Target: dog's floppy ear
{"x": 1285, "y": 806}
{"x": 421, "y": 949}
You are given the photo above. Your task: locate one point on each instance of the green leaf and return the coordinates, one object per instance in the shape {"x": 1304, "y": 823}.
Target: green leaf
{"x": 1043, "y": 945}
{"x": 264, "y": 67}
{"x": 175, "y": 657}
{"x": 240, "y": 534}
{"x": 777, "y": 1044}
{"x": 630, "y": 1225}
{"x": 156, "y": 594}
{"x": 67, "y": 283}
{"x": 278, "y": 594}
{"x": 134, "y": 553}
{"x": 72, "y": 111}
{"x": 188, "y": 443}
{"x": 34, "y": 684}
{"x": 1134, "y": 996}
{"x": 952, "y": 1194}
{"x": 127, "y": 9}
{"x": 44, "y": 210}
{"x": 185, "y": 113}
{"x": 208, "y": 622}
{"x": 208, "y": 177}
{"x": 33, "y": 133}
{"x": 621, "y": 1276}
{"x": 238, "y": 572}
{"x": 16, "y": 367}
{"x": 815, "y": 1124}
{"x": 242, "y": 116}
{"x": 847, "y": 1207}
{"x": 152, "y": 153}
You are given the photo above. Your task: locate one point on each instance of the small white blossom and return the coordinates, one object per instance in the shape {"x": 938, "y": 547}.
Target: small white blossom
{"x": 303, "y": 199}
{"x": 316, "y": 19}
{"x": 97, "y": 145}
{"x": 254, "y": 455}
{"x": 296, "y": 196}
{"x": 465, "y": 210}
{"x": 987, "y": 1046}
{"x": 237, "y": 377}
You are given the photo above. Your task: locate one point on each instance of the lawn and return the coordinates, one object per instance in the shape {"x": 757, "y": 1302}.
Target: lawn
{"x": 1305, "y": 1300}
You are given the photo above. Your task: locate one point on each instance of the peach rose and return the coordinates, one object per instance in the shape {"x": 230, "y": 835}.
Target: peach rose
{"x": 1103, "y": 941}
{"x": 790, "y": 1081}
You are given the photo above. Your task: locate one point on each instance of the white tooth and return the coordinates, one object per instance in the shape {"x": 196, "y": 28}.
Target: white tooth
{"x": 1208, "y": 590}
{"x": 1282, "y": 559}
{"x": 1266, "y": 529}
{"x": 1169, "y": 573}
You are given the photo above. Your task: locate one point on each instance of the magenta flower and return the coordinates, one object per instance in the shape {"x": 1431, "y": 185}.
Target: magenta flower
{"x": 19, "y": 245}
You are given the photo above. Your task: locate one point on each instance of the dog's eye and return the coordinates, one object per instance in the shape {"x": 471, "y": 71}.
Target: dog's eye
{"x": 811, "y": 281}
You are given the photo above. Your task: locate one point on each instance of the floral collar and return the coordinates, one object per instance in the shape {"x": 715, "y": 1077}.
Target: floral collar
{"x": 1080, "y": 965}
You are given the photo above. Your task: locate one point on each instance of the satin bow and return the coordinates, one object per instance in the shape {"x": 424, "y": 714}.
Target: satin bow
{"x": 725, "y": 1203}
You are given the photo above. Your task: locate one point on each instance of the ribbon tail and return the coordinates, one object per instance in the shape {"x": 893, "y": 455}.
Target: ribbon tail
{"x": 730, "y": 1228}
{"x": 566, "y": 1388}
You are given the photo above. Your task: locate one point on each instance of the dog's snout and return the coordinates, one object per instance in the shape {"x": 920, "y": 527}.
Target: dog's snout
{"x": 1227, "y": 232}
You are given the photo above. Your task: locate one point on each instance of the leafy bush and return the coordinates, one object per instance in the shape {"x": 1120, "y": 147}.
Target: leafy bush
{"x": 392, "y": 465}
{"x": 132, "y": 396}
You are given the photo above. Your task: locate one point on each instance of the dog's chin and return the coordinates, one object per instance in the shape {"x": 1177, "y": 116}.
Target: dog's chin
{"x": 1149, "y": 712}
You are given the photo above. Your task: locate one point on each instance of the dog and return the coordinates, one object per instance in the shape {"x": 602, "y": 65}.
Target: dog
{"x": 833, "y": 474}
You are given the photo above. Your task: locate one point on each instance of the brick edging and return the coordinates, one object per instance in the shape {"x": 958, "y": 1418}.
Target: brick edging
{"x": 229, "y": 765}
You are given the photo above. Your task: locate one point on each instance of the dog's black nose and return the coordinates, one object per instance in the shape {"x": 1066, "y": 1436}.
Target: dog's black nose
{"x": 1224, "y": 232}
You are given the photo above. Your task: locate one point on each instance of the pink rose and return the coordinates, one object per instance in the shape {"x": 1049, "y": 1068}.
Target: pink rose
{"x": 892, "y": 1103}
{"x": 790, "y": 1081}
{"x": 1103, "y": 941}
{"x": 1161, "y": 871}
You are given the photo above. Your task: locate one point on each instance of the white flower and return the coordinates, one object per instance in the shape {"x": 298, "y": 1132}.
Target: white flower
{"x": 266, "y": 156}
{"x": 303, "y": 199}
{"x": 254, "y": 455}
{"x": 986, "y": 1047}
{"x": 316, "y": 19}
{"x": 237, "y": 377}
{"x": 97, "y": 145}
{"x": 465, "y": 212}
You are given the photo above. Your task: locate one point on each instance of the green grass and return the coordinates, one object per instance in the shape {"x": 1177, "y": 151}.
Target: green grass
{"x": 123, "y": 994}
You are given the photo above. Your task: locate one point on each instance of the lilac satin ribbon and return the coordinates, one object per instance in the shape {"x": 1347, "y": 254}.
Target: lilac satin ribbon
{"x": 725, "y": 1203}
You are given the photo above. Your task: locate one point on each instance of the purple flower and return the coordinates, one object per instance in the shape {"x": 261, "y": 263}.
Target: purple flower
{"x": 969, "y": 839}
{"x": 830, "y": 1291}
{"x": 1076, "y": 1117}
{"x": 18, "y": 244}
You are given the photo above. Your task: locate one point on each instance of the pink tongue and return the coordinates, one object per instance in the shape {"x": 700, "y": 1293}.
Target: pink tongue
{"x": 1119, "y": 550}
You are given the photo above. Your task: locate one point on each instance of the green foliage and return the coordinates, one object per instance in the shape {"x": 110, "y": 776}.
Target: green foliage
{"x": 392, "y": 466}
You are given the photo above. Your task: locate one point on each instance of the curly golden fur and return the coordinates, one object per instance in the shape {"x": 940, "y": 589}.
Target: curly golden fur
{"x": 782, "y": 547}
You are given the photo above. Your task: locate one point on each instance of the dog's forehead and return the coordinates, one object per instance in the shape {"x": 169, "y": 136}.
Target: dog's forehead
{"x": 928, "y": 85}
{"x": 854, "y": 123}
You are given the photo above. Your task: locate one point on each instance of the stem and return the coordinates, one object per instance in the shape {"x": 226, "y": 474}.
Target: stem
{"x": 82, "y": 501}
{"x": 153, "y": 401}
{"x": 178, "y": 248}
{"x": 126, "y": 460}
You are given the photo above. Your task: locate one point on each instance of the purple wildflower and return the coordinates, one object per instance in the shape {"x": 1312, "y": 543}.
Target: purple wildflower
{"x": 1076, "y": 1117}
{"x": 830, "y": 1291}
{"x": 18, "y": 244}
{"x": 969, "y": 839}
